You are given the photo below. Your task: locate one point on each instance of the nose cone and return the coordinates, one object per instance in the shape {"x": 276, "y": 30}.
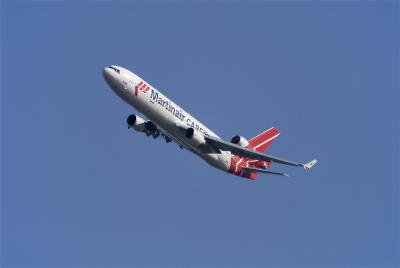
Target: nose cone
{"x": 107, "y": 74}
{"x": 110, "y": 77}
{"x": 113, "y": 77}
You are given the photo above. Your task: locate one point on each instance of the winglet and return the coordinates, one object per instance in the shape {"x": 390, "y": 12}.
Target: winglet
{"x": 310, "y": 164}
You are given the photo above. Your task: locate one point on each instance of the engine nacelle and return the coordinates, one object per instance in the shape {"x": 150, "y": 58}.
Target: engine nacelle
{"x": 195, "y": 136}
{"x": 136, "y": 122}
{"x": 239, "y": 140}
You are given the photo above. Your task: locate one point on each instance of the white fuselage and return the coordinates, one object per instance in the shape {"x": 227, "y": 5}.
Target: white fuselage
{"x": 159, "y": 109}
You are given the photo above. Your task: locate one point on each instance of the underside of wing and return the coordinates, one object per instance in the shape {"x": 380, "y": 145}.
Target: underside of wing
{"x": 245, "y": 152}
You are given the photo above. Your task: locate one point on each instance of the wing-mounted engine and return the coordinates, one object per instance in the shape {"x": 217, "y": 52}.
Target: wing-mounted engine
{"x": 136, "y": 122}
{"x": 195, "y": 136}
{"x": 141, "y": 125}
{"x": 239, "y": 140}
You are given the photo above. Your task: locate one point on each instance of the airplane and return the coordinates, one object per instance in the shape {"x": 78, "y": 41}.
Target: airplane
{"x": 241, "y": 157}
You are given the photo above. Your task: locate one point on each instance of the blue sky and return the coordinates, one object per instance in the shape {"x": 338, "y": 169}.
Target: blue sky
{"x": 79, "y": 189}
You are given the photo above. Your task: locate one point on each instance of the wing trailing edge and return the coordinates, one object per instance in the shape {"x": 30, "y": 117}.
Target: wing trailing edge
{"x": 245, "y": 152}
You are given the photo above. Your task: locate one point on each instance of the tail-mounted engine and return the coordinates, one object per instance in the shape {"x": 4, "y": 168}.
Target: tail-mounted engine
{"x": 239, "y": 140}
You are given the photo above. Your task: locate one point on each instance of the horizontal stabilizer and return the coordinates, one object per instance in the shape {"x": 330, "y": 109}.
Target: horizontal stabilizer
{"x": 261, "y": 170}
{"x": 310, "y": 164}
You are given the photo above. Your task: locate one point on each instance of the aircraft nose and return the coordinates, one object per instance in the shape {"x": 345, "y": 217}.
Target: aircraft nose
{"x": 106, "y": 73}
{"x": 113, "y": 78}
{"x": 108, "y": 76}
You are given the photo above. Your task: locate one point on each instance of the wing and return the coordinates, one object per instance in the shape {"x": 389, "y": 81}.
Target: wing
{"x": 139, "y": 124}
{"x": 244, "y": 152}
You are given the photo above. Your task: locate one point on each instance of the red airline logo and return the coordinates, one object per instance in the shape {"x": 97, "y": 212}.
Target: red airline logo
{"x": 142, "y": 87}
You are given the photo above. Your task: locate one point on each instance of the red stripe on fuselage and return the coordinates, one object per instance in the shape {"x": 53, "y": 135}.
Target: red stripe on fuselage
{"x": 137, "y": 88}
{"x": 237, "y": 164}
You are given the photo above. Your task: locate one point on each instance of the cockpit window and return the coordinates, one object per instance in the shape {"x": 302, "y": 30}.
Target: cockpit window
{"x": 115, "y": 69}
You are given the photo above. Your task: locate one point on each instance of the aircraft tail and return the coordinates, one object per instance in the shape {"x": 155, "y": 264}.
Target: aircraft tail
{"x": 262, "y": 141}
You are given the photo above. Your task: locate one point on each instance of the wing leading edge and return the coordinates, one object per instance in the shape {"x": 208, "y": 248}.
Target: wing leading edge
{"x": 244, "y": 152}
